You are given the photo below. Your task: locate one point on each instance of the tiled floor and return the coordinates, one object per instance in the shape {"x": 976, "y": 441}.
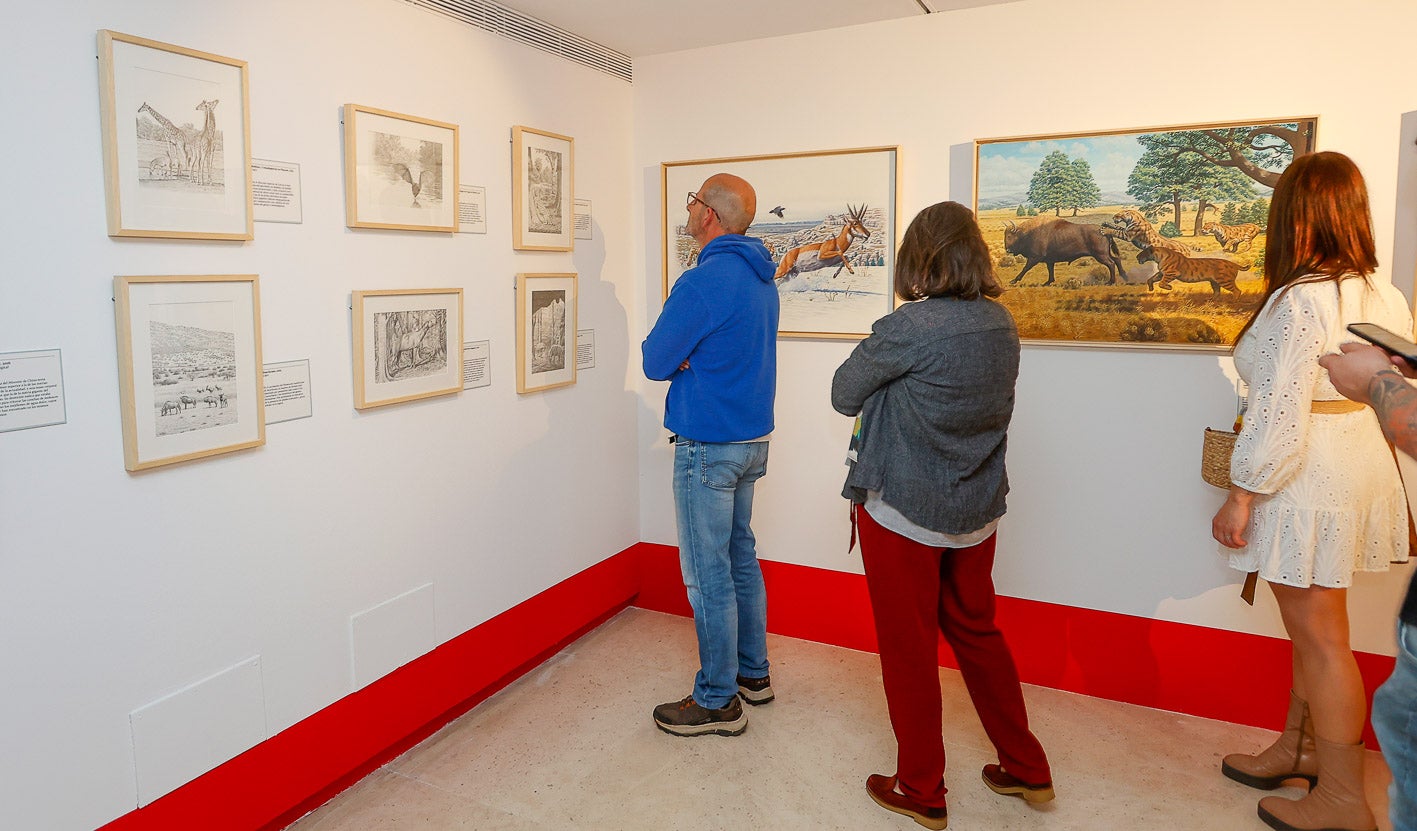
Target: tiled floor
{"x": 571, "y": 746}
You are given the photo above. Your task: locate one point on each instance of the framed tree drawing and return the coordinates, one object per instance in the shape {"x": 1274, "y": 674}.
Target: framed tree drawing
{"x": 829, "y": 221}
{"x": 546, "y": 331}
{"x": 1143, "y": 238}
{"x": 189, "y": 367}
{"x": 176, "y": 140}
{"x": 407, "y": 345}
{"x": 543, "y": 190}
{"x": 400, "y": 171}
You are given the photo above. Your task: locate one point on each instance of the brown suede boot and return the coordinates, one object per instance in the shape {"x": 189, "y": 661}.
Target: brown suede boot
{"x": 1291, "y": 757}
{"x": 1337, "y": 803}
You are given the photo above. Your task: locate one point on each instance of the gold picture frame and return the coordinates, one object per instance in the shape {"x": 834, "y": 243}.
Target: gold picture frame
{"x": 546, "y": 331}
{"x": 407, "y": 345}
{"x": 1149, "y": 238}
{"x": 165, "y": 177}
{"x": 543, "y": 190}
{"x": 400, "y": 171}
{"x": 189, "y": 367}
{"x": 846, "y": 200}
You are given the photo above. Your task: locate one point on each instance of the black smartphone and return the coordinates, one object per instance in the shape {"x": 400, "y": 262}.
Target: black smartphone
{"x": 1389, "y": 341}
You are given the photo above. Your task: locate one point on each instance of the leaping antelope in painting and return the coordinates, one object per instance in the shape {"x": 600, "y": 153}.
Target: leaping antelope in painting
{"x": 827, "y": 253}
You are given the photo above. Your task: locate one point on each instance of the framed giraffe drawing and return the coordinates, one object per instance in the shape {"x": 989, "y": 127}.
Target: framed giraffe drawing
{"x": 176, "y": 140}
{"x": 1148, "y": 238}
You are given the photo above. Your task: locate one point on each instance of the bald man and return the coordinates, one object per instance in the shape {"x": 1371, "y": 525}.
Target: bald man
{"x": 716, "y": 344}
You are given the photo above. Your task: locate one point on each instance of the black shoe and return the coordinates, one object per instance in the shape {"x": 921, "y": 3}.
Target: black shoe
{"x": 756, "y": 691}
{"x": 688, "y": 718}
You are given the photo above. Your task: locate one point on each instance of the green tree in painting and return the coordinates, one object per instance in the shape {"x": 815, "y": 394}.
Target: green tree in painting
{"x": 1212, "y": 184}
{"x": 1062, "y": 184}
{"x": 1231, "y": 214}
{"x": 1162, "y": 178}
{"x": 1082, "y": 187}
{"x": 1259, "y": 152}
{"x": 1048, "y": 189}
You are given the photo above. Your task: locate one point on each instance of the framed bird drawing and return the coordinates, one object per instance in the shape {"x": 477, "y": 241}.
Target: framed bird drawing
{"x": 400, "y": 171}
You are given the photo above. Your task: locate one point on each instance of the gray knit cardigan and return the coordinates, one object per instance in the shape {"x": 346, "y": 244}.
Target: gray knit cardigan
{"x": 934, "y": 384}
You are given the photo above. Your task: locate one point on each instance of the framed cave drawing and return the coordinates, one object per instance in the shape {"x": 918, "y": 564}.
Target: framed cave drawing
{"x": 543, "y": 190}
{"x": 829, "y": 221}
{"x": 400, "y": 171}
{"x": 189, "y": 367}
{"x": 546, "y": 331}
{"x": 407, "y": 345}
{"x": 176, "y": 140}
{"x": 1143, "y": 238}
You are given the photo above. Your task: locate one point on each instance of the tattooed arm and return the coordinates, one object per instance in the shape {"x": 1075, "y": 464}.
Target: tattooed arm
{"x": 1370, "y": 376}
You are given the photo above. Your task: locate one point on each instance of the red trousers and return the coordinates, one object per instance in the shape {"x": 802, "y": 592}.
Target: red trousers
{"x": 917, "y": 592}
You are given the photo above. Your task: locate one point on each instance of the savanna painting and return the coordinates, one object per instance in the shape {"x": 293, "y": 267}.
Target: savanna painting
{"x": 1142, "y": 238}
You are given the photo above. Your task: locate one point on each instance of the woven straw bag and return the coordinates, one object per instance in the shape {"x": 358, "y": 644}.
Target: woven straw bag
{"x": 1216, "y": 449}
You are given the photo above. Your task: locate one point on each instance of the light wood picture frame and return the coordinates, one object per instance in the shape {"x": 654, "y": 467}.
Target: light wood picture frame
{"x": 407, "y": 345}
{"x": 543, "y": 190}
{"x": 176, "y": 140}
{"x": 189, "y": 366}
{"x": 828, "y": 219}
{"x": 546, "y": 331}
{"x": 401, "y": 171}
{"x": 1144, "y": 238}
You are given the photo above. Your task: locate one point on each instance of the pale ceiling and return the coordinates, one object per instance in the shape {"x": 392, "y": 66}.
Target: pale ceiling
{"x": 651, "y": 27}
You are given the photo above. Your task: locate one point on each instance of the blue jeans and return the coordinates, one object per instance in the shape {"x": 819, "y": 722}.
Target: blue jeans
{"x": 1395, "y": 722}
{"x": 713, "y": 498}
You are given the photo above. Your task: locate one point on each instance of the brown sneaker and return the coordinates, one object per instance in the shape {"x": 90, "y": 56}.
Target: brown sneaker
{"x": 755, "y": 691}
{"x": 688, "y": 718}
{"x": 1001, "y": 781}
{"x": 882, "y": 790}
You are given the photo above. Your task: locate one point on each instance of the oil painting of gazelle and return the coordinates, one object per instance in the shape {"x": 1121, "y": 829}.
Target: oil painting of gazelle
{"x": 828, "y": 220}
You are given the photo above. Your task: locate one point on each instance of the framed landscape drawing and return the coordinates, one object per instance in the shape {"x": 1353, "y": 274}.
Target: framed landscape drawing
{"x": 400, "y": 171}
{"x": 176, "y": 140}
{"x": 546, "y": 331}
{"x": 1151, "y": 238}
{"x": 407, "y": 345}
{"x": 189, "y": 367}
{"x": 543, "y": 190}
{"x": 827, "y": 218}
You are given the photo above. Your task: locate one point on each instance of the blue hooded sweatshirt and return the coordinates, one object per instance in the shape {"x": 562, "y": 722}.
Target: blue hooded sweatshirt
{"x": 721, "y": 316}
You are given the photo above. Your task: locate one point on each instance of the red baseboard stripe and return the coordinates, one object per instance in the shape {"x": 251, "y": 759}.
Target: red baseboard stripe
{"x": 1214, "y": 673}
{"x": 275, "y": 783}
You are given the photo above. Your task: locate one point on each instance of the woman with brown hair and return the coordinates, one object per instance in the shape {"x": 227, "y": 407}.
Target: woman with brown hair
{"x": 934, "y": 389}
{"x": 1315, "y": 494}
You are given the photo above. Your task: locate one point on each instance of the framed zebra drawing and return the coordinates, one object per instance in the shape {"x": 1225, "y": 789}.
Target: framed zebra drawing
{"x": 189, "y": 367}
{"x": 176, "y": 140}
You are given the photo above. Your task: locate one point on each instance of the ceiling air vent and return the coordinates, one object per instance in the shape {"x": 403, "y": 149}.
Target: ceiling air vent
{"x": 523, "y": 28}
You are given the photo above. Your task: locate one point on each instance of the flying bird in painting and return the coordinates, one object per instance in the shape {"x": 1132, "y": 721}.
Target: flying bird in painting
{"x": 778, "y": 211}
{"x": 425, "y": 178}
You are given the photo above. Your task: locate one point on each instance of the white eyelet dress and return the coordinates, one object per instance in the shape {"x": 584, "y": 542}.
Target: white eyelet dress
{"x": 1331, "y": 501}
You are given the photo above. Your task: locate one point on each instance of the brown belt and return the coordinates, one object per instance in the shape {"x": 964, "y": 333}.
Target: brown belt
{"x": 1335, "y": 407}
{"x": 1329, "y": 407}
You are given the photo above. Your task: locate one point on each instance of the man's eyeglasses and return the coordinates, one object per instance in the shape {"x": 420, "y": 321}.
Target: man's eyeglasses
{"x": 694, "y": 197}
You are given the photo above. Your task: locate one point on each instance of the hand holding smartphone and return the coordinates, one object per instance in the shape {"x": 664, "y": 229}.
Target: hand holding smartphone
{"x": 1390, "y": 342}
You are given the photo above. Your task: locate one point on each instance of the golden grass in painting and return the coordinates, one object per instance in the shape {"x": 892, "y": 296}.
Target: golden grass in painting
{"x": 1081, "y": 307}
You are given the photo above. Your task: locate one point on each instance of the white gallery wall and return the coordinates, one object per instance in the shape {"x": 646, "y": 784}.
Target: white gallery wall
{"x": 1107, "y": 510}
{"x": 241, "y": 574}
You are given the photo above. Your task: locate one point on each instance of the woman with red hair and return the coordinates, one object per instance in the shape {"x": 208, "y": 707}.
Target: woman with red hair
{"x": 1315, "y": 492}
